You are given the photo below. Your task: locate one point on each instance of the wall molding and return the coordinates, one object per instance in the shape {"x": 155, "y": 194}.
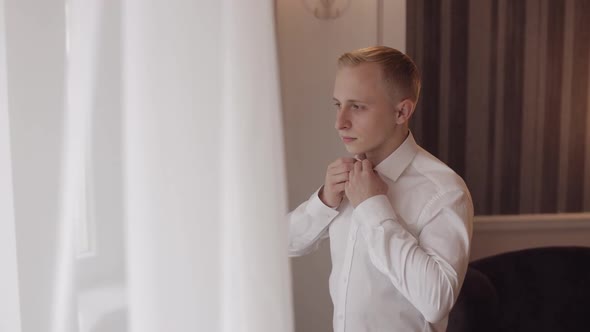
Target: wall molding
{"x": 498, "y": 234}
{"x": 528, "y": 222}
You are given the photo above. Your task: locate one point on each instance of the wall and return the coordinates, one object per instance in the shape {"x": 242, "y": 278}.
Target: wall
{"x": 308, "y": 49}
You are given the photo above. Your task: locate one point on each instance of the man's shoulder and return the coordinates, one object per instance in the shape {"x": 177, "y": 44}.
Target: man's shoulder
{"x": 437, "y": 173}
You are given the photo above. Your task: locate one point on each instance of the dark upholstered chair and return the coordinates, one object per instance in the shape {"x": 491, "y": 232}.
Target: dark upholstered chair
{"x": 541, "y": 289}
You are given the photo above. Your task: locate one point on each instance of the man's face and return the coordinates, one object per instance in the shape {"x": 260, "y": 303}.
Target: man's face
{"x": 365, "y": 112}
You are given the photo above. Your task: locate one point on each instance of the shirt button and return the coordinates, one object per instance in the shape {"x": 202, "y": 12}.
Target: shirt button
{"x": 345, "y": 280}
{"x": 340, "y": 316}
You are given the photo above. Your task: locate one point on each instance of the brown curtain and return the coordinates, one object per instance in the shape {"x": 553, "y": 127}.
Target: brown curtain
{"x": 505, "y": 99}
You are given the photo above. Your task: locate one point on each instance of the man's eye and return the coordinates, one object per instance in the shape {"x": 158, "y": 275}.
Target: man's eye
{"x": 337, "y": 105}
{"x": 356, "y": 107}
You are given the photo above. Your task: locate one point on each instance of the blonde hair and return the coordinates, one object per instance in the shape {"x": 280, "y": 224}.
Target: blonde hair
{"x": 399, "y": 71}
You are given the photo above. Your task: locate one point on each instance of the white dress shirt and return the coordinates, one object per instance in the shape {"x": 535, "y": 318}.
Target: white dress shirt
{"x": 398, "y": 261}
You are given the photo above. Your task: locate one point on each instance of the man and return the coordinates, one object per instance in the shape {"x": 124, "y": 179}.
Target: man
{"x": 399, "y": 220}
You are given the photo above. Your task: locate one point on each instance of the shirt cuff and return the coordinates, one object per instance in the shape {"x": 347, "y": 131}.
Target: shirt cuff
{"x": 374, "y": 211}
{"x": 316, "y": 208}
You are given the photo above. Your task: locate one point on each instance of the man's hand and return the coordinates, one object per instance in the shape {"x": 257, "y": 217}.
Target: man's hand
{"x": 336, "y": 176}
{"x": 363, "y": 183}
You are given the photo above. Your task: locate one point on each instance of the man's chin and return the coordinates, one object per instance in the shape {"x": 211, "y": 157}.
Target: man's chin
{"x": 353, "y": 149}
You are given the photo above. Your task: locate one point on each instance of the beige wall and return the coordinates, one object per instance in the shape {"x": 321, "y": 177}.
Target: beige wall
{"x": 308, "y": 48}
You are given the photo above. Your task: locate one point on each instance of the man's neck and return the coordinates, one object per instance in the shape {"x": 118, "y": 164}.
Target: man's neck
{"x": 377, "y": 156}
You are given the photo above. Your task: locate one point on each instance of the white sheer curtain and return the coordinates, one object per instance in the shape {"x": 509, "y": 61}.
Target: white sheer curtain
{"x": 10, "y": 306}
{"x": 205, "y": 194}
{"x": 205, "y": 171}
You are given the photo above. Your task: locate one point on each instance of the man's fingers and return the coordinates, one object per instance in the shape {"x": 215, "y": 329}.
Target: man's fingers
{"x": 366, "y": 165}
{"x": 342, "y": 168}
{"x": 358, "y": 166}
{"x": 339, "y": 187}
{"x": 342, "y": 177}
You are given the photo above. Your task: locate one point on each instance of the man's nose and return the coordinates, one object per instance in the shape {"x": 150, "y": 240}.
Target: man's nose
{"x": 342, "y": 121}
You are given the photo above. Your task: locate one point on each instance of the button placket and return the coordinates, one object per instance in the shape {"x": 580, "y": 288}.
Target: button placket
{"x": 346, "y": 273}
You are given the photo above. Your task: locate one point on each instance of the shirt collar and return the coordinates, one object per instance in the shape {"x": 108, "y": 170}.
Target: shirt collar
{"x": 393, "y": 166}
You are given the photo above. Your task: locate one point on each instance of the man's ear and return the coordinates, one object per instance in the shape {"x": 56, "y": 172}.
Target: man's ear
{"x": 405, "y": 109}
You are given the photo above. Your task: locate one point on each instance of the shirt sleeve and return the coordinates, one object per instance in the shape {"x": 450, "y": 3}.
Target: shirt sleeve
{"x": 428, "y": 270}
{"x": 308, "y": 225}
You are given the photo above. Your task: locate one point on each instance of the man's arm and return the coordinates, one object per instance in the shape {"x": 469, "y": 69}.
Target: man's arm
{"x": 428, "y": 270}
{"x": 308, "y": 225}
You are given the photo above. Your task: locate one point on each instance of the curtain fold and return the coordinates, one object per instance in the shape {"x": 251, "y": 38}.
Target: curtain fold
{"x": 257, "y": 289}
{"x": 34, "y": 78}
{"x": 81, "y": 63}
{"x": 10, "y": 319}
